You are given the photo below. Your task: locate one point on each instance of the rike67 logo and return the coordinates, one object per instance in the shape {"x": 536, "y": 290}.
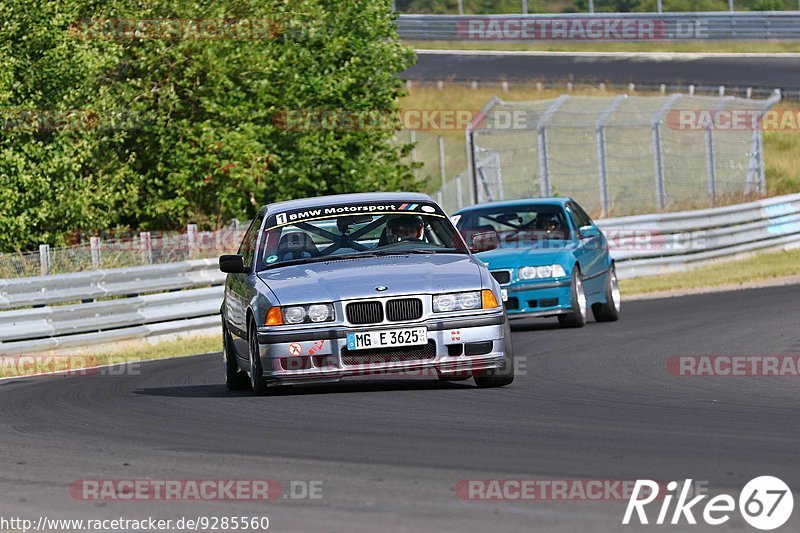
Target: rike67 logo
{"x": 765, "y": 503}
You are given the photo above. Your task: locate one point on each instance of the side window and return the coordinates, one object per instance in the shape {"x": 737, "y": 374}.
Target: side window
{"x": 248, "y": 246}
{"x": 572, "y": 217}
{"x": 586, "y": 220}
{"x": 578, "y": 215}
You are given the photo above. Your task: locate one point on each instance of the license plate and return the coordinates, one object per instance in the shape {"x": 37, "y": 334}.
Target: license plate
{"x": 504, "y": 294}
{"x": 387, "y": 338}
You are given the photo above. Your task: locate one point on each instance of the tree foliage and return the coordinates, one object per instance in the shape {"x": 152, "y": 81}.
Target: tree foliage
{"x": 171, "y": 130}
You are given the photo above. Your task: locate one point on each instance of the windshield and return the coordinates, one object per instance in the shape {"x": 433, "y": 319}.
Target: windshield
{"x": 515, "y": 225}
{"x": 309, "y": 236}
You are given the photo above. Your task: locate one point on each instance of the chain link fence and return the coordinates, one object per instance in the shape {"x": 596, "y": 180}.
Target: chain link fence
{"x": 619, "y": 155}
{"x": 123, "y": 250}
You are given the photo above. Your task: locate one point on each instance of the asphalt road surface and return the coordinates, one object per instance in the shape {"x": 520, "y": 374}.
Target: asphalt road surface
{"x": 672, "y": 69}
{"x": 593, "y": 403}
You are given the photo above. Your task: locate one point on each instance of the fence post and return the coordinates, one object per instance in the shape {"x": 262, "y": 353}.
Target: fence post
{"x": 191, "y": 234}
{"x": 459, "y": 198}
{"x": 146, "y": 247}
{"x": 541, "y": 133}
{"x": 44, "y": 259}
{"x": 600, "y": 134}
{"x": 658, "y": 154}
{"x": 97, "y": 258}
{"x": 711, "y": 170}
{"x": 442, "y": 170}
{"x": 711, "y": 173}
{"x": 412, "y": 137}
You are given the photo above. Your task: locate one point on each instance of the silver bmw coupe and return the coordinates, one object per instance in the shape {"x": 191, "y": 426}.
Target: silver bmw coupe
{"x": 360, "y": 284}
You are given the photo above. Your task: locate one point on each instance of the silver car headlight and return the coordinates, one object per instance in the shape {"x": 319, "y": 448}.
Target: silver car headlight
{"x": 457, "y": 301}
{"x": 304, "y": 314}
{"x": 542, "y": 272}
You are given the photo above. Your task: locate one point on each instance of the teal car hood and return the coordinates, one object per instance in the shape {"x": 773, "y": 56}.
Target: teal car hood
{"x": 530, "y": 254}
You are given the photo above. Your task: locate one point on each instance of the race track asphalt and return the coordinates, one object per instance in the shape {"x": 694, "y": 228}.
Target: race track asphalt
{"x": 592, "y": 403}
{"x": 766, "y": 72}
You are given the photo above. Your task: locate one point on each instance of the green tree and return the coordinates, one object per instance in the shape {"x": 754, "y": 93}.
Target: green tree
{"x": 187, "y": 126}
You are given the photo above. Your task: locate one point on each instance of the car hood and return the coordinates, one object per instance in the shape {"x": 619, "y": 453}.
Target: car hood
{"x": 531, "y": 254}
{"x": 357, "y": 278}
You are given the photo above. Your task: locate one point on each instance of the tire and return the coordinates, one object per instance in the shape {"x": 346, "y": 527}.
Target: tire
{"x": 609, "y": 311}
{"x": 577, "y": 318}
{"x": 235, "y": 379}
{"x": 257, "y": 381}
{"x": 499, "y": 377}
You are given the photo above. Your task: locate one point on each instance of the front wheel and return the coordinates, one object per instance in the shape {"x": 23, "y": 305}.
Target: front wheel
{"x": 257, "y": 381}
{"x": 235, "y": 379}
{"x": 609, "y": 311}
{"x": 577, "y": 318}
{"x": 499, "y": 377}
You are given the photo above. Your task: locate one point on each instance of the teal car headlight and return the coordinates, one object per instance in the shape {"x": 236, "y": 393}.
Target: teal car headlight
{"x": 541, "y": 272}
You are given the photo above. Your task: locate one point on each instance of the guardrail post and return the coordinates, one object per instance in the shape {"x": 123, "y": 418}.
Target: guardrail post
{"x": 146, "y": 247}
{"x": 44, "y": 259}
{"x": 97, "y": 258}
{"x": 191, "y": 234}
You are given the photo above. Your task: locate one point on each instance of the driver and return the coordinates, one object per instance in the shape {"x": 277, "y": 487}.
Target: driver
{"x": 548, "y": 222}
{"x": 405, "y": 228}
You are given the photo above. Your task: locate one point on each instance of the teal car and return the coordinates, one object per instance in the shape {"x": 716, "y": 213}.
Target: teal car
{"x": 548, "y": 256}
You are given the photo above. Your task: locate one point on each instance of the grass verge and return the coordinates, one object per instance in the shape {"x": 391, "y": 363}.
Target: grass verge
{"x": 761, "y": 267}
{"x": 736, "y": 47}
{"x": 35, "y": 363}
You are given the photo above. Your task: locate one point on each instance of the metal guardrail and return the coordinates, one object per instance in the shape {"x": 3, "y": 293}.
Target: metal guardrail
{"x": 108, "y": 305}
{"x": 647, "y": 245}
{"x": 574, "y": 26}
{"x": 112, "y": 305}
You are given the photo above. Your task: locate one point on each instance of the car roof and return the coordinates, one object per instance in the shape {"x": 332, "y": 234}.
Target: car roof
{"x": 522, "y": 202}
{"x": 349, "y": 199}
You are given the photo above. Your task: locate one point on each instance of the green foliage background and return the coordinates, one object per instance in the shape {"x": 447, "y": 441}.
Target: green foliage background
{"x": 194, "y": 137}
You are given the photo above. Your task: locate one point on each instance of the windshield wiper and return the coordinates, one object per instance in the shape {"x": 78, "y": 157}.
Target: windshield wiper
{"x": 416, "y": 251}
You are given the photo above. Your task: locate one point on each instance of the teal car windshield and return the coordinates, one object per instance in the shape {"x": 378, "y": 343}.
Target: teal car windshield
{"x": 517, "y": 225}
{"x": 358, "y": 235}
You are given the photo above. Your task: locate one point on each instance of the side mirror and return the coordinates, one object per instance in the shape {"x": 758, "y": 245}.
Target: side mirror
{"x": 589, "y": 232}
{"x": 232, "y": 264}
{"x": 484, "y": 241}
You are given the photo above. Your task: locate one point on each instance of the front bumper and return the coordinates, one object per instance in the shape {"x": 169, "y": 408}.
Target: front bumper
{"x": 538, "y": 298}
{"x": 455, "y": 345}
